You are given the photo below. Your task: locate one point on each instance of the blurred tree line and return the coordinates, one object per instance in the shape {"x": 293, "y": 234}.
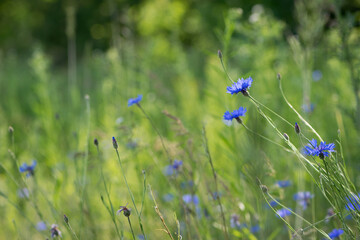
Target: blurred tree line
{"x": 93, "y": 24}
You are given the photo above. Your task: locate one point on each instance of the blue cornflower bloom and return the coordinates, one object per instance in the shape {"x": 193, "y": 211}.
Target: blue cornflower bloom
{"x": 353, "y": 203}
{"x": 283, "y": 184}
{"x": 283, "y": 212}
{"x": 188, "y": 198}
{"x": 240, "y": 86}
{"x": 133, "y": 101}
{"x": 173, "y": 168}
{"x": 335, "y": 233}
{"x": 303, "y": 198}
{"x": 41, "y": 226}
{"x": 272, "y": 204}
{"x": 308, "y": 108}
{"x": 28, "y": 168}
{"x": 255, "y": 229}
{"x": 228, "y": 117}
{"x": 323, "y": 150}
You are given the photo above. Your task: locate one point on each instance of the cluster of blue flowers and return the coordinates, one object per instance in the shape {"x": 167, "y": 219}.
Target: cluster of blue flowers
{"x": 242, "y": 85}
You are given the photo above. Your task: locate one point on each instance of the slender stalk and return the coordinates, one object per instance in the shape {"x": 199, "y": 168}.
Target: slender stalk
{"x": 160, "y": 215}
{"x": 111, "y": 210}
{"x": 156, "y": 130}
{"x": 132, "y": 231}
{"x": 131, "y": 194}
{"x": 216, "y": 183}
{"x": 66, "y": 220}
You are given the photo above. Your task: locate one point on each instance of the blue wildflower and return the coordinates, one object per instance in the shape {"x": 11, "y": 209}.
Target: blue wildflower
{"x": 335, "y": 233}
{"x": 317, "y": 75}
{"x": 308, "y": 108}
{"x": 283, "y": 184}
{"x": 272, "y": 204}
{"x": 353, "y": 203}
{"x": 283, "y": 212}
{"x": 323, "y": 150}
{"x": 133, "y": 101}
{"x": 255, "y": 229}
{"x": 188, "y": 198}
{"x": 303, "y": 198}
{"x": 228, "y": 117}
{"x": 41, "y": 226}
{"x": 173, "y": 168}
{"x": 28, "y": 168}
{"x": 240, "y": 86}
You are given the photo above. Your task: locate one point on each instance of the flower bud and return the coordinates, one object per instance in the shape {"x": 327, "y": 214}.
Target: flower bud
{"x": 297, "y": 128}
{"x": 286, "y": 136}
{"x": 115, "y": 144}
{"x": 219, "y": 54}
{"x": 96, "y": 142}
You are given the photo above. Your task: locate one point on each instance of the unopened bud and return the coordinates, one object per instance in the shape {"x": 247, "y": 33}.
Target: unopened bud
{"x": 264, "y": 188}
{"x": 297, "y": 128}
{"x": 278, "y": 76}
{"x": 96, "y": 142}
{"x": 66, "y": 219}
{"x": 115, "y": 143}
{"x": 286, "y": 136}
{"x": 219, "y": 54}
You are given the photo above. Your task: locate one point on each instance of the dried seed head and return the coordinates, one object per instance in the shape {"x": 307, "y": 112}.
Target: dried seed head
{"x": 264, "y": 188}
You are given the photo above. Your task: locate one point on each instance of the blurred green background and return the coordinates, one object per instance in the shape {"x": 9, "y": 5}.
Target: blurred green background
{"x": 67, "y": 69}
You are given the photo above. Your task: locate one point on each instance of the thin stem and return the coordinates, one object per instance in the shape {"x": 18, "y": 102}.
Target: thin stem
{"x": 156, "y": 130}
{"x": 132, "y": 231}
{"x": 111, "y": 211}
{"x": 131, "y": 194}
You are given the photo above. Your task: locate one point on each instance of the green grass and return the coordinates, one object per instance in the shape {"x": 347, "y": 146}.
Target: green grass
{"x": 56, "y": 123}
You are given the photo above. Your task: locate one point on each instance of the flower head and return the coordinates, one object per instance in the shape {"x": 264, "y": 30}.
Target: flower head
{"x": 323, "y": 150}
{"x": 255, "y": 229}
{"x": 353, "y": 203}
{"x": 188, "y": 198}
{"x": 283, "y": 212}
{"x": 55, "y": 232}
{"x": 303, "y": 198}
{"x": 236, "y": 114}
{"x": 173, "y": 168}
{"x": 240, "y": 86}
{"x": 41, "y": 226}
{"x": 124, "y": 209}
{"x": 283, "y": 184}
{"x": 335, "y": 233}
{"x": 133, "y": 101}
{"x": 29, "y": 169}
